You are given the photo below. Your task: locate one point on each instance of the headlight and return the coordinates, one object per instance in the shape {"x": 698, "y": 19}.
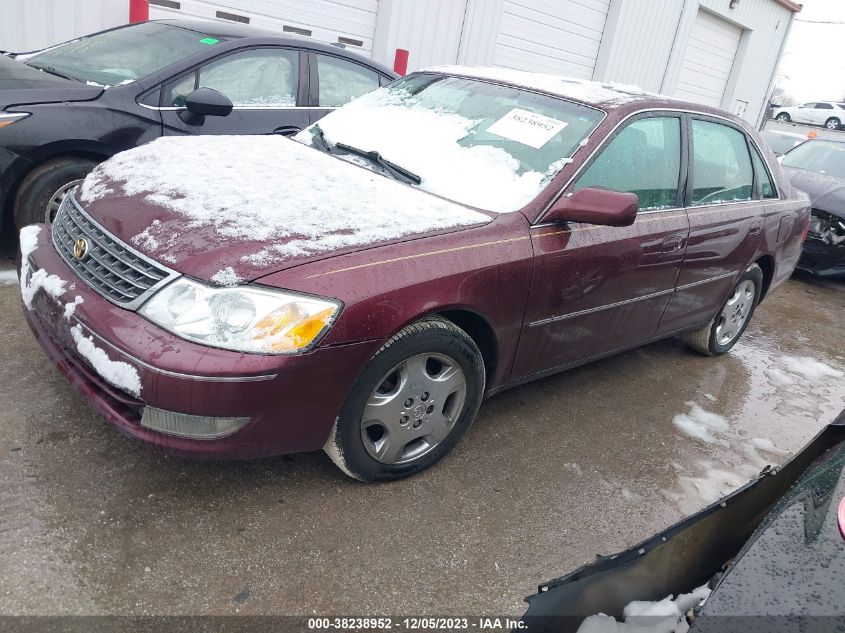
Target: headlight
{"x": 243, "y": 319}
{"x": 8, "y": 118}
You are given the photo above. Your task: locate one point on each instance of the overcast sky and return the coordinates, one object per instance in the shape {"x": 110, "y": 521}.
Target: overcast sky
{"x": 813, "y": 64}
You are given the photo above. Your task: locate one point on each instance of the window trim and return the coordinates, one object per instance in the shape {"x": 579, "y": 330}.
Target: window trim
{"x": 682, "y": 157}
{"x": 538, "y": 220}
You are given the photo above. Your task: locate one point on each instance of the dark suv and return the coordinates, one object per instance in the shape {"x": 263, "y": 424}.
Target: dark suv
{"x": 67, "y": 108}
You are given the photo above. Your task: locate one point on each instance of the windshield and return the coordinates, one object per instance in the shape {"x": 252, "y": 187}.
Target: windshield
{"x": 824, "y": 157}
{"x": 122, "y": 55}
{"x": 486, "y": 145}
{"x": 780, "y": 143}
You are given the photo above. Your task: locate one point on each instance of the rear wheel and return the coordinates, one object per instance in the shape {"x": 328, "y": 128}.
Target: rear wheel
{"x": 411, "y": 405}
{"x": 42, "y": 191}
{"x": 783, "y": 117}
{"x": 832, "y": 123}
{"x": 726, "y": 328}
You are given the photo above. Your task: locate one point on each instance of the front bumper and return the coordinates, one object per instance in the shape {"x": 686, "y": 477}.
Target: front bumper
{"x": 12, "y": 167}
{"x": 822, "y": 259}
{"x": 291, "y": 401}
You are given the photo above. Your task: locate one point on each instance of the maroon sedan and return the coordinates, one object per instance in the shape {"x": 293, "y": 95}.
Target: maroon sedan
{"x": 362, "y": 287}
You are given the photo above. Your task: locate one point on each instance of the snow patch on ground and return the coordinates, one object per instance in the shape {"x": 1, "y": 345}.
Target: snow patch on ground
{"x": 121, "y": 375}
{"x": 226, "y": 277}
{"x": 573, "y": 468}
{"x": 568, "y": 88}
{"x": 701, "y": 425}
{"x": 662, "y": 616}
{"x": 265, "y": 188}
{"x": 70, "y": 308}
{"x": 810, "y": 368}
{"x": 8, "y": 277}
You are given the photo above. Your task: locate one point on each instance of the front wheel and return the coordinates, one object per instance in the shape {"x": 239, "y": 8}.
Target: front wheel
{"x": 783, "y": 117}
{"x": 832, "y": 123}
{"x": 722, "y": 333}
{"x": 41, "y": 193}
{"x": 411, "y": 404}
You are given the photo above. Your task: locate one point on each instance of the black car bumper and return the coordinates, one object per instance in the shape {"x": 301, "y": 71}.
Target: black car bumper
{"x": 824, "y": 248}
{"x": 12, "y": 167}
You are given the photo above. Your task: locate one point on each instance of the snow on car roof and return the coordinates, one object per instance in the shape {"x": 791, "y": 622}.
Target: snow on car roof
{"x": 592, "y": 92}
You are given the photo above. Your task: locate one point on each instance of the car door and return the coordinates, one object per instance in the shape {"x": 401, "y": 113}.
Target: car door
{"x": 599, "y": 289}
{"x": 725, "y": 216}
{"x": 804, "y": 113}
{"x": 264, "y": 84}
{"x": 335, "y": 81}
{"x": 822, "y": 112}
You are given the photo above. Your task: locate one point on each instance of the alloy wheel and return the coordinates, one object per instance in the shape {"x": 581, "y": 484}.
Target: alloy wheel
{"x": 413, "y": 408}
{"x": 735, "y": 313}
{"x": 56, "y": 200}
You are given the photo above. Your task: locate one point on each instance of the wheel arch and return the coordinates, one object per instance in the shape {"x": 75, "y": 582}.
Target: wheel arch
{"x": 767, "y": 265}
{"x": 480, "y": 331}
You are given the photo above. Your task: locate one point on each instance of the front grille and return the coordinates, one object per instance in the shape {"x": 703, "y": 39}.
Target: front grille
{"x": 119, "y": 273}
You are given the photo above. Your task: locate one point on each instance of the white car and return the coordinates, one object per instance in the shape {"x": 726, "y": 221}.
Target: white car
{"x": 827, "y": 113}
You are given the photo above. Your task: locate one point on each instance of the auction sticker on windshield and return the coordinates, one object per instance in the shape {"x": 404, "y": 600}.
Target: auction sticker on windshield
{"x": 528, "y": 128}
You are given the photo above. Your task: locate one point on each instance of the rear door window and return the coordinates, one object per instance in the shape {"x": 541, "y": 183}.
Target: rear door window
{"x": 764, "y": 180}
{"x": 342, "y": 81}
{"x": 645, "y": 159}
{"x": 721, "y": 165}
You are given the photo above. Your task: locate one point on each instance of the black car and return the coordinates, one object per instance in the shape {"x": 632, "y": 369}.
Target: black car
{"x": 67, "y": 108}
{"x": 769, "y": 557}
{"x": 818, "y": 167}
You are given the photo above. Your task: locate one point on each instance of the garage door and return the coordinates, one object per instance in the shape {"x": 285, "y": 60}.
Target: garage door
{"x": 708, "y": 60}
{"x": 350, "y": 22}
{"x": 556, "y": 36}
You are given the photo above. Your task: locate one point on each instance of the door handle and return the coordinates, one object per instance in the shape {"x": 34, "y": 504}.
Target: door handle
{"x": 287, "y": 130}
{"x": 756, "y": 227}
{"x": 672, "y": 244}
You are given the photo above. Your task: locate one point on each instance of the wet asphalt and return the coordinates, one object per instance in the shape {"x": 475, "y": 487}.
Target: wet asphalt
{"x": 587, "y": 462}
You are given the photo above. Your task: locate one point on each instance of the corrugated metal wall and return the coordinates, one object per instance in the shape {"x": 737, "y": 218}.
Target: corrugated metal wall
{"x": 32, "y": 24}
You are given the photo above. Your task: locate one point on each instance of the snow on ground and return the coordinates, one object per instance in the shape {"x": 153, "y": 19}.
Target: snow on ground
{"x": 701, "y": 424}
{"x": 663, "y": 616}
{"x": 269, "y": 188}
{"x": 577, "y": 89}
{"x": 8, "y": 277}
{"x": 425, "y": 141}
{"x": 117, "y": 373}
{"x": 810, "y": 368}
{"x": 39, "y": 280}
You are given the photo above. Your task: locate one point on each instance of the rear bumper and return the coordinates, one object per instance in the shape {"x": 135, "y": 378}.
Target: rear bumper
{"x": 821, "y": 259}
{"x": 291, "y": 401}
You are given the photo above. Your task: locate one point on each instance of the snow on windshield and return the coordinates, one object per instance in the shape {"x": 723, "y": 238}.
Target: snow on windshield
{"x": 269, "y": 188}
{"x": 485, "y": 150}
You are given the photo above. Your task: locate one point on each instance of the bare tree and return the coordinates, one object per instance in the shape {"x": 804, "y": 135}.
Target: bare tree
{"x": 782, "y": 96}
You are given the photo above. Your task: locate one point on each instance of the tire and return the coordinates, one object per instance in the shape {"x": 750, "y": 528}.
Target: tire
{"x": 393, "y": 443}
{"x": 710, "y": 340}
{"x": 45, "y": 186}
{"x": 832, "y": 123}
{"x": 783, "y": 117}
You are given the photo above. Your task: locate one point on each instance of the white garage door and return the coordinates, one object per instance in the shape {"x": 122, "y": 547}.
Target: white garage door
{"x": 708, "y": 60}
{"x": 556, "y": 36}
{"x": 350, "y": 22}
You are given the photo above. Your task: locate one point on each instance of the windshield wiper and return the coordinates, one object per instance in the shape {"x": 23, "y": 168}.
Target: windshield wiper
{"x": 53, "y": 71}
{"x": 376, "y": 158}
{"x": 320, "y": 138}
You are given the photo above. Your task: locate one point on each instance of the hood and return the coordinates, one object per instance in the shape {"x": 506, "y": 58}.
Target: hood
{"x": 826, "y": 192}
{"x": 236, "y": 208}
{"x": 22, "y": 85}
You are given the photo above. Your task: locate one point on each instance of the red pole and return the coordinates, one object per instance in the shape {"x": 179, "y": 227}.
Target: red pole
{"x": 400, "y": 62}
{"x": 139, "y": 11}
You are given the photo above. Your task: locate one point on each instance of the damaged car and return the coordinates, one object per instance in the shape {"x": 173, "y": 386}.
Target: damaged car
{"x": 817, "y": 167}
{"x": 362, "y": 287}
{"x": 770, "y": 557}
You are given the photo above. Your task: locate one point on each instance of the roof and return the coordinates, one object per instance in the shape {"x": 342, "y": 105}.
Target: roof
{"x": 582, "y": 90}
{"x": 789, "y": 4}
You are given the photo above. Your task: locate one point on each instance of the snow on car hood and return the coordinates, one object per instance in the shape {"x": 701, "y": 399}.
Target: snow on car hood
{"x": 240, "y": 207}
{"x": 826, "y": 193}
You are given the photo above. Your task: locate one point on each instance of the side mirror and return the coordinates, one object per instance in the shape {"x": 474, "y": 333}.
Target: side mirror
{"x": 204, "y": 102}
{"x": 595, "y": 206}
